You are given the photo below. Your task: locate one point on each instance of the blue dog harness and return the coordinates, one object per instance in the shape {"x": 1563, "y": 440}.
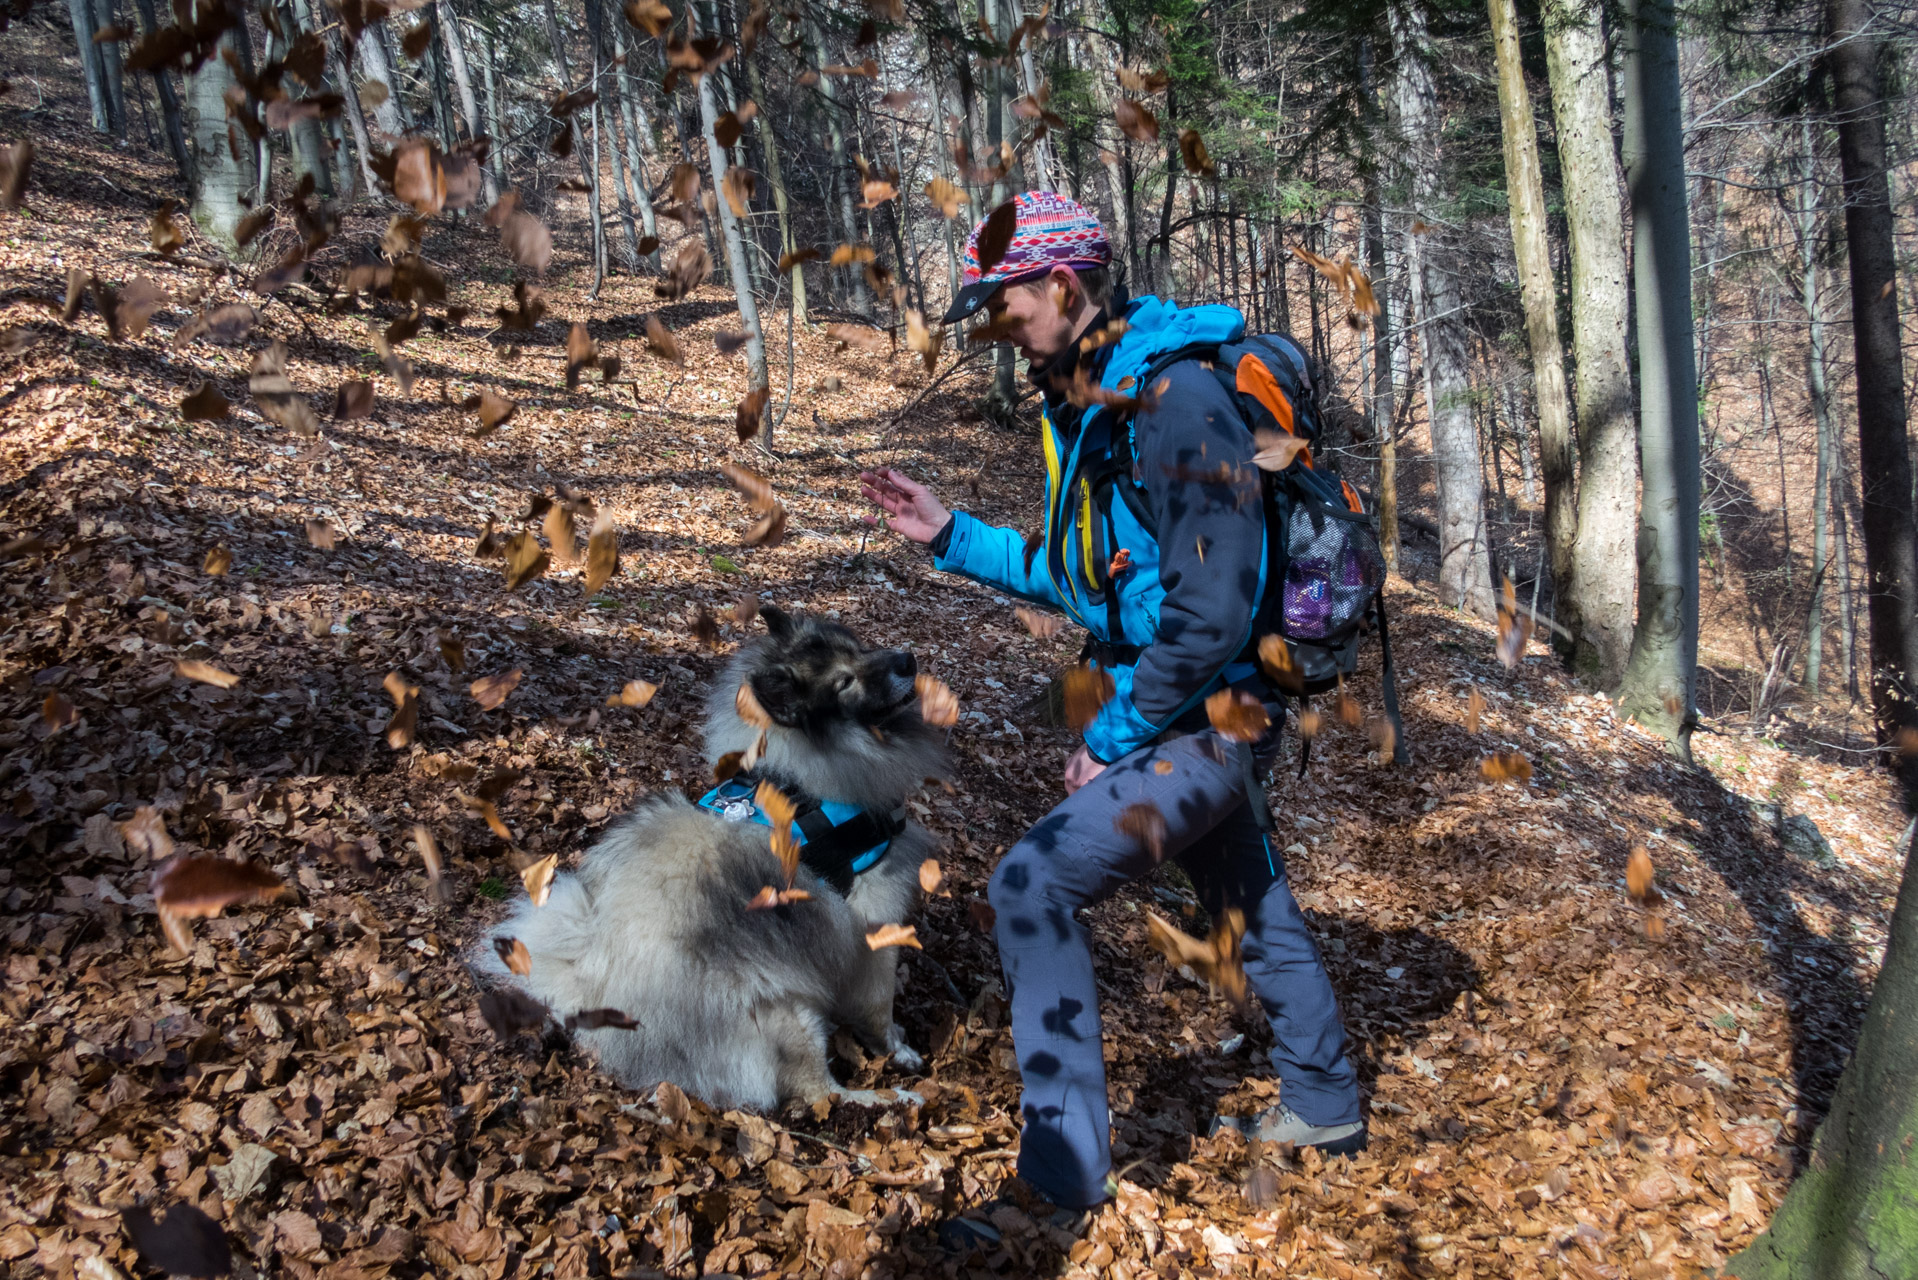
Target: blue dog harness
{"x": 837, "y": 842}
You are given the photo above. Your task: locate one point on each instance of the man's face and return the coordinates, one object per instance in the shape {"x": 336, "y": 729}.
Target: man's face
{"x": 1036, "y": 315}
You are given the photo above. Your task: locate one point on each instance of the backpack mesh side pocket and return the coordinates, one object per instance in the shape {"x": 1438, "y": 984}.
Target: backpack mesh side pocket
{"x": 1333, "y": 569}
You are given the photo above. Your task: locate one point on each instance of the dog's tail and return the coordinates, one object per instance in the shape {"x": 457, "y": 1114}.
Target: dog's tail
{"x": 559, "y": 937}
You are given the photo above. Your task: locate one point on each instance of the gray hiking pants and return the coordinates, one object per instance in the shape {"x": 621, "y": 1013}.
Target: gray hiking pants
{"x": 1074, "y": 857}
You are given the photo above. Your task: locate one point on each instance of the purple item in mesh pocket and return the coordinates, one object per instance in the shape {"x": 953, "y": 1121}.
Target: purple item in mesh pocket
{"x": 1308, "y": 598}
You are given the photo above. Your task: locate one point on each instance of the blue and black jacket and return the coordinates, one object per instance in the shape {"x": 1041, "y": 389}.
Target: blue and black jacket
{"x": 1174, "y": 623}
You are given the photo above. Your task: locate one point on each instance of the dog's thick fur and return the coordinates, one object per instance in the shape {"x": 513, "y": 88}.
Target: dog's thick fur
{"x": 735, "y": 1006}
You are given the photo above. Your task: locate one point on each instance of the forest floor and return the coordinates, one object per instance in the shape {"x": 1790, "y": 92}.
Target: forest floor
{"x": 1558, "y": 1082}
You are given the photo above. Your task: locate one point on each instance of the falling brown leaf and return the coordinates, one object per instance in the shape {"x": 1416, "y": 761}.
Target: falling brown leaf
{"x": 938, "y": 704}
{"x": 1310, "y": 723}
{"x": 706, "y": 627}
{"x": 780, "y": 812}
{"x": 527, "y": 241}
{"x": 490, "y": 691}
{"x": 746, "y": 704}
{"x": 1474, "y": 708}
{"x": 278, "y": 401}
{"x": 1086, "y": 690}
{"x": 602, "y": 553}
{"x": 203, "y": 886}
{"x": 558, "y": 526}
{"x": 661, "y": 341}
{"x": 634, "y": 693}
{"x": 1146, "y": 824}
{"x": 514, "y": 955}
{"x": 930, "y": 875}
{"x": 995, "y": 235}
{"x": 406, "y": 711}
{"x": 491, "y": 546}
{"x": 649, "y": 16}
{"x": 218, "y": 561}
{"x": 204, "y": 404}
{"x": 509, "y": 1011}
{"x": 452, "y": 652}
{"x": 1217, "y": 959}
{"x": 894, "y": 935}
{"x": 1346, "y": 709}
{"x": 321, "y": 534}
{"x": 430, "y": 855}
{"x": 1383, "y": 736}
{"x": 1505, "y": 766}
{"x": 538, "y": 878}
{"x": 353, "y": 400}
{"x": 1135, "y": 121}
{"x": 57, "y": 713}
{"x": 750, "y": 413}
{"x": 1276, "y": 450}
{"x": 1275, "y": 658}
{"x": 769, "y": 897}
{"x": 16, "y": 162}
{"x": 488, "y": 812}
{"x": 1150, "y": 81}
{"x": 1238, "y": 716}
{"x": 525, "y": 560}
{"x": 495, "y": 410}
{"x": 1044, "y": 626}
{"x": 946, "y": 197}
{"x": 204, "y": 672}
{"x": 1639, "y": 876}
{"x": 1514, "y": 628}
{"x": 1192, "y": 151}
{"x": 599, "y": 1020}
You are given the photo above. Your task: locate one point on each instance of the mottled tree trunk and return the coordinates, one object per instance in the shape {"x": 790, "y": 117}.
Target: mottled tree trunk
{"x": 1464, "y": 564}
{"x": 639, "y": 138}
{"x": 1661, "y": 672}
{"x": 1596, "y": 605}
{"x": 1819, "y": 394}
{"x": 735, "y": 245}
{"x": 80, "y": 13}
{"x": 453, "y": 43}
{"x": 169, "y": 101}
{"x": 842, "y": 177}
{"x": 374, "y": 66}
{"x": 223, "y": 174}
{"x": 776, "y": 179}
{"x": 1525, "y": 190}
{"x": 108, "y": 56}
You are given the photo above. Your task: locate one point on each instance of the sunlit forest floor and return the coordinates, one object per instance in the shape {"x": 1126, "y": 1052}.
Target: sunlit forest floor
{"x": 1559, "y": 1081}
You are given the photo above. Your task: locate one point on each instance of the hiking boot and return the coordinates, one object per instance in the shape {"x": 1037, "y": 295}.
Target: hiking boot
{"x": 1015, "y": 1209}
{"x": 1282, "y": 1124}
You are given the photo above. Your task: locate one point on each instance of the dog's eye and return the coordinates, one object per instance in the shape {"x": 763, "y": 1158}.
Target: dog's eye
{"x": 842, "y": 683}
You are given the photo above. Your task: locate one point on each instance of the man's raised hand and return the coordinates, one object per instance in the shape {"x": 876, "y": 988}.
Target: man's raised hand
{"x": 909, "y": 506}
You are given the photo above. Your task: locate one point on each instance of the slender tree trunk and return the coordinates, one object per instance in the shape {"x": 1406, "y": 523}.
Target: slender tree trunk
{"x": 1660, "y": 675}
{"x": 1884, "y": 457}
{"x": 776, "y": 179}
{"x": 593, "y": 204}
{"x": 735, "y": 244}
{"x": 374, "y": 66}
{"x": 1525, "y": 189}
{"x": 1384, "y": 339}
{"x": 305, "y": 140}
{"x": 80, "y": 12}
{"x": 936, "y": 82}
{"x": 1044, "y": 163}
{"x": 110, "y": 75}
{"x": 1464, "y": 564}
{"x": 223, "y": 177}
{"x": 639, "y": 139}
{"x": 1596, "y": 604}
{"x": 1841, "y": 550}
{"x": 169, "y": 100}
{"x": 453, "y": 43}
{"x": 1853, "y": 1212}
{"x": 842, "y": 177}
{"x": 556, "y": 37}
{"x": 1820, "y": 396}
{"x": 495, "y": 117}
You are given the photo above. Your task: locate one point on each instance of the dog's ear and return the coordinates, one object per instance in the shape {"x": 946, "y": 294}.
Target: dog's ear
{"x": 779, "y": 623}
{"x": 778, "y": 693}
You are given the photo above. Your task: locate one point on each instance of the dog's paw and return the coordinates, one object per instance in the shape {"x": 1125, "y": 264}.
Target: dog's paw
{"x": 904, "y": 1056}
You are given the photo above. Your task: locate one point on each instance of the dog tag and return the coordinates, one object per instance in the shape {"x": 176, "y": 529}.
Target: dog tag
{"x": 737, "y": 811}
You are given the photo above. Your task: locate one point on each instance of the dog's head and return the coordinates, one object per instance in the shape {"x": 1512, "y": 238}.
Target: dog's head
{"x": 811, "y": 675}
{"x": 845, "y": 717}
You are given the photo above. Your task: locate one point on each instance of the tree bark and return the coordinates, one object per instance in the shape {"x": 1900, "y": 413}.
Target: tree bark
{"x": 1464, "y": 565}
{"x": 1884, "y": 457}
{"x": 1853, "y": 1212}
{"x": 223, "y": 174}
{"x": 734, "y": 242}
{"x": 305, "y": 140}
{"x": 80, "y": 13}
{"x": 374, "y": 66}
{"x": 842, "y": 177}
{"x": 1819, "y": 394}
{"x": 639, "y": 138}
{"x": 776, "y": 179}
{"x": 169, "y": 101}
{"x": 1596, "y": 605}
{"x": 1661, "y": 673}
{"x": 1525, "y": 189}
{"x": 110, "y": 75}
{"x": 454, "y": 45}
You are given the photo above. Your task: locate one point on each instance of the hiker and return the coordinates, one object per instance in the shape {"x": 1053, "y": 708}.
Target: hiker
{"x": 1187, "y": 600}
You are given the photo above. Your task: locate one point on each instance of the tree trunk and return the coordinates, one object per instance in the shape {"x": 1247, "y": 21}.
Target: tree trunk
{"x": 1596, "y": 605}
{"x": 842, "y": 177}
{"x": 1884, "y": 457}
{"x": 1661, "y": 672}
{"x": 1841, "y": 551}
{"x": 557, "y": 39}
{"x": 735, "y": 245}
{"x": 80, "y": 12}
{"x": 109, "y": 62}
{"x": 169, "y": 101}
{"x": 224, "y": 175}
{"x": 1525, "y": 188}
{"x": 639, "y": 138}
{"x": 594, "y": 206}
{"x": 1464, "y": 565}
{"x": 306, "y": 140}
{"x": 1853, "y": 1212}
{"x": 453, "y": 43}
{"x": 1819, "y": 394}
{"x": 374, "y": 66}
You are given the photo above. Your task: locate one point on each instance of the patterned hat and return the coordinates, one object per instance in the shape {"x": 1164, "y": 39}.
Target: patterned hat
{"x": 1051, "y": 231}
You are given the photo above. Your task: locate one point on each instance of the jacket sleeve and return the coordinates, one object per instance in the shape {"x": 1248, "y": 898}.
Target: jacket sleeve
{"x": 995, "y": 556}
{"x": 1195, "y": 462}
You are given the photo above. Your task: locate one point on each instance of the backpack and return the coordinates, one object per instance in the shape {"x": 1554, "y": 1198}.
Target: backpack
{"x": 1326, "y": 573}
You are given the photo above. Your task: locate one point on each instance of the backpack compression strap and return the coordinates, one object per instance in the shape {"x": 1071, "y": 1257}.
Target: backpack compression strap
{"x": 837, "y": 842}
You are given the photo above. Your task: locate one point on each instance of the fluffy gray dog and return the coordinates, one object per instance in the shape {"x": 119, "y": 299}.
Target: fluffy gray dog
{"x": 735, "y": 1004}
